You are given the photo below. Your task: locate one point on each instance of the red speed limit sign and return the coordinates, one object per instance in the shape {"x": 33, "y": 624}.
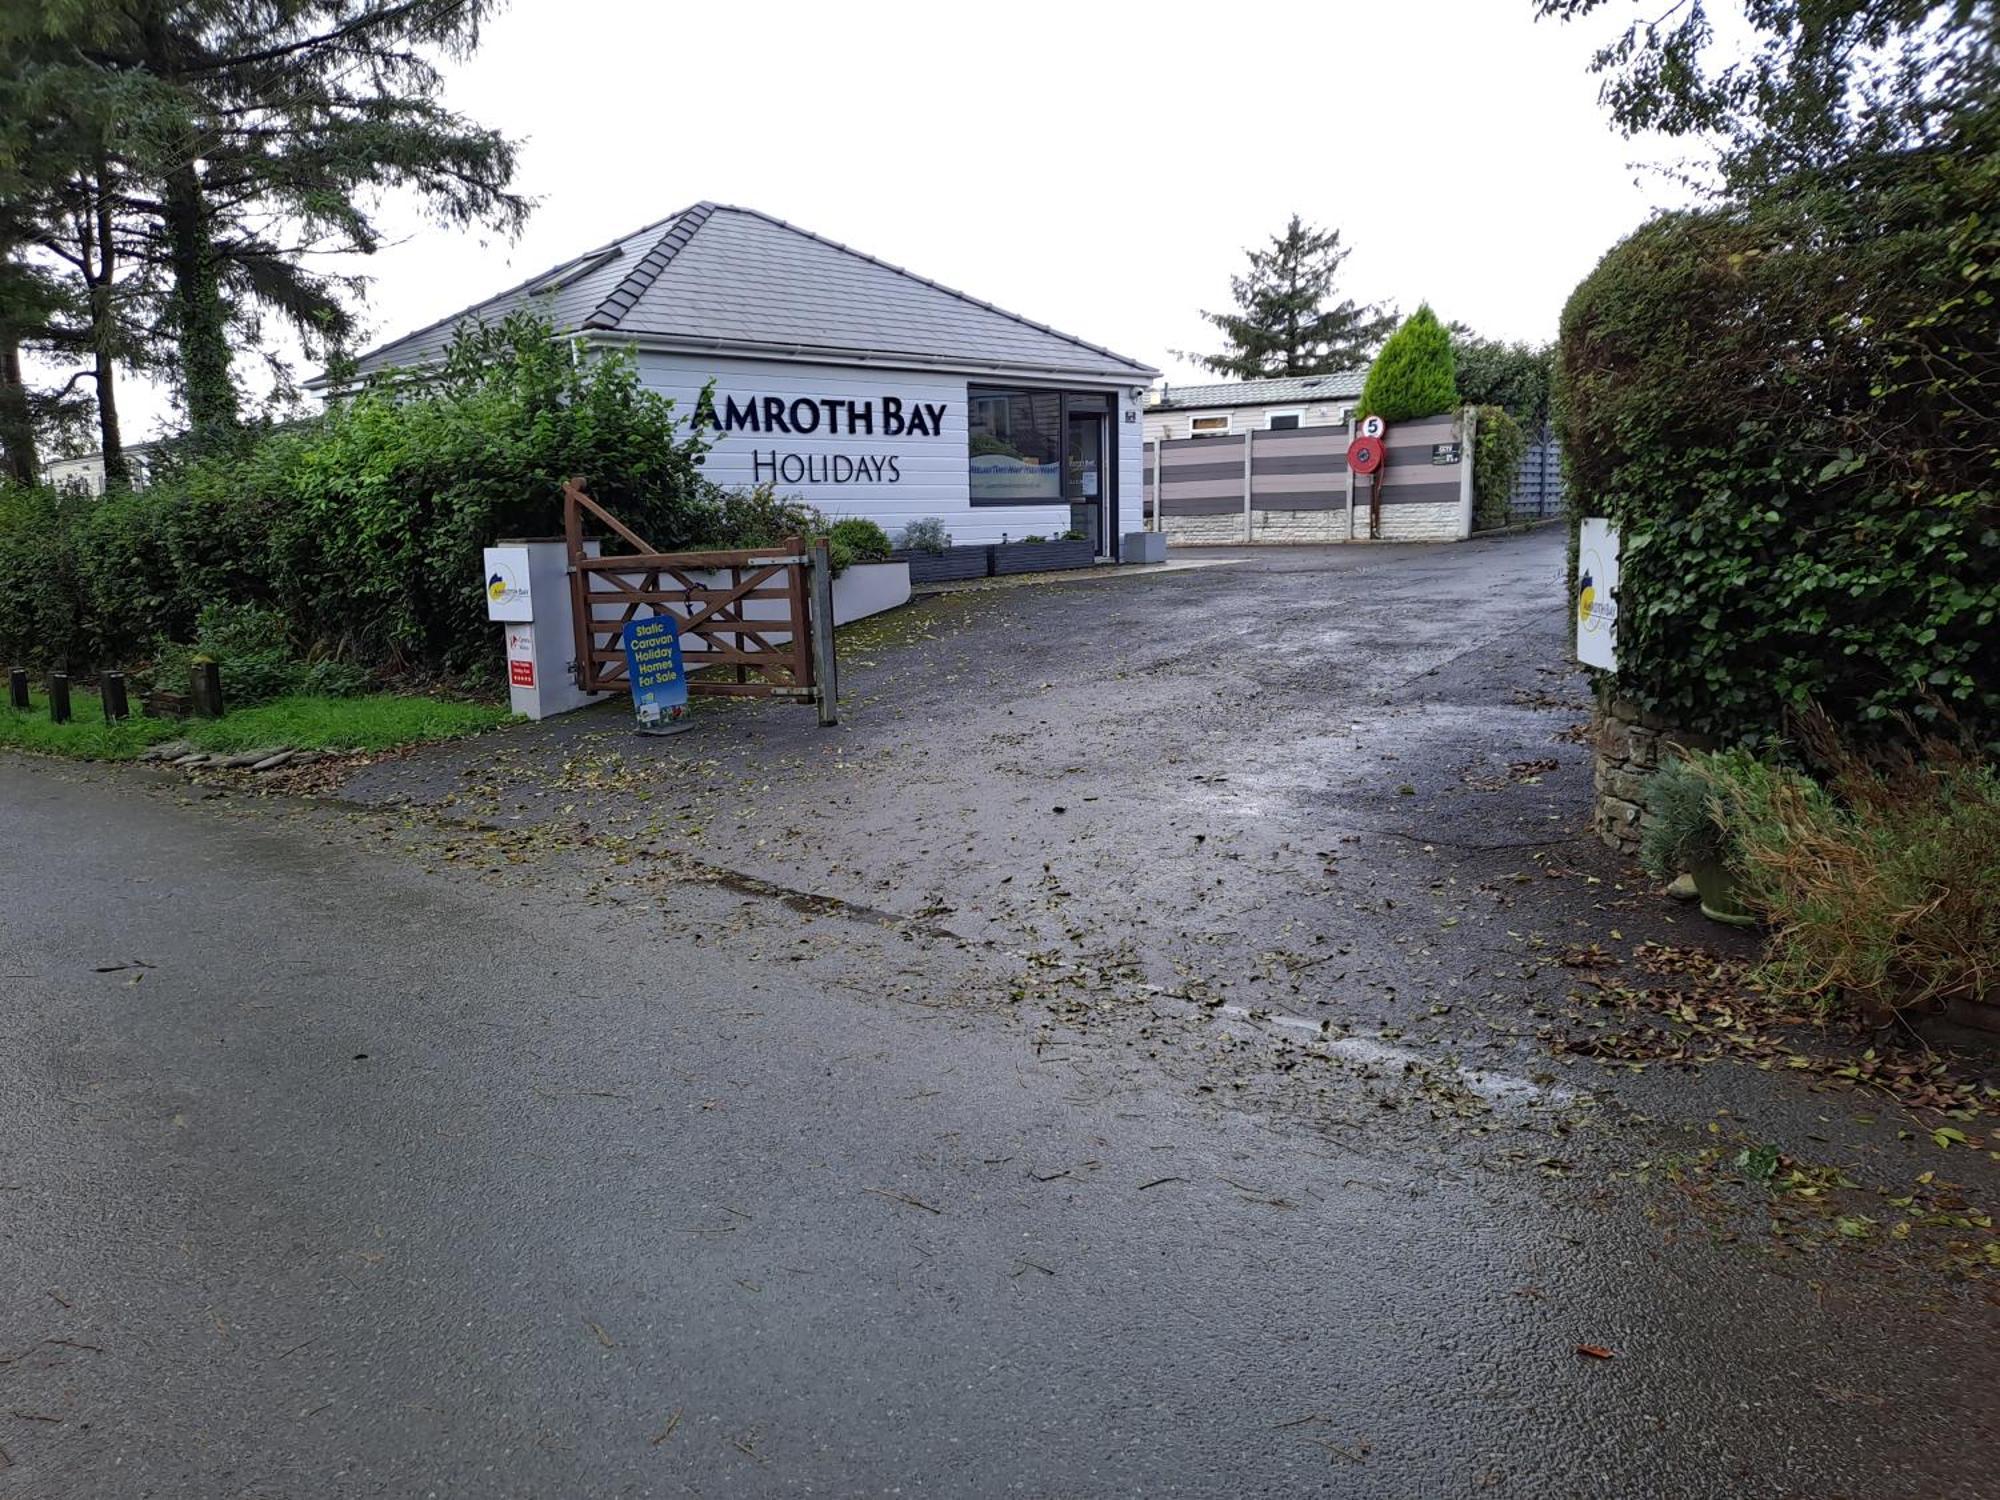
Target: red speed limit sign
{"x": 1364, "y": 455}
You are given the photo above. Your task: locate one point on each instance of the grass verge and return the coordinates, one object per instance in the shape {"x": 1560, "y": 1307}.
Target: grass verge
{"x": 376, "y": 722}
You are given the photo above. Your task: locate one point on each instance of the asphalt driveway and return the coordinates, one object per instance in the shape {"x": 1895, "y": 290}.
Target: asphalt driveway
{"x": 1124, "y": 1058}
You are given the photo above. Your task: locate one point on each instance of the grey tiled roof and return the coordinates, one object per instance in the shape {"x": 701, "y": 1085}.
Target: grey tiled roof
{"x": 735, "y": 280}
{"x": 1342, "y": 387}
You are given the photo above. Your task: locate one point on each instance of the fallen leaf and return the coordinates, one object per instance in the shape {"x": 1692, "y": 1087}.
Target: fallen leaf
{"x": 1595, "y": 1351}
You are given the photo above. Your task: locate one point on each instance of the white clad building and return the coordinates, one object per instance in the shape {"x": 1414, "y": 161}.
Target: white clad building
{"x": 852, "y": 384}
{"x": 1232, "y": 407}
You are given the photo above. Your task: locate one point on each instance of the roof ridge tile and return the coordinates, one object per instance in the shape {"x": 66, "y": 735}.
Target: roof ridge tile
{"x": 620, "y": 299}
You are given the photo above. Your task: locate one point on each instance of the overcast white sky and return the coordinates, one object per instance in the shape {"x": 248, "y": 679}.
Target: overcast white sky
{"x": 1097, "y": 167}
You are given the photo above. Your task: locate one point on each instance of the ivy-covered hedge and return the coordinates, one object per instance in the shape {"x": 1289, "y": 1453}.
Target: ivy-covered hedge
{"x": 1499, "y": 444}
{"x": 361, "y": 531}
{"x": 1789, "y": 409}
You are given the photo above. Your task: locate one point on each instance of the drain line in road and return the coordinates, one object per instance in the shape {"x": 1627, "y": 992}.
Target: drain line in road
{"x": 1498, "y": 1088}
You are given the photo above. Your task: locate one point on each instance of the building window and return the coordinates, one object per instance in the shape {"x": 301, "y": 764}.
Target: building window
{"x": 1284, "y": 421}
{"x": 1209, "y": 426}
{"x": 1016, "y": 447}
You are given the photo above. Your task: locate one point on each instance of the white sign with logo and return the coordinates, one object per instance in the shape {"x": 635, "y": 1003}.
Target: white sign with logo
{"x": 1597, "y": 594}
{"x": 506, "y": 579}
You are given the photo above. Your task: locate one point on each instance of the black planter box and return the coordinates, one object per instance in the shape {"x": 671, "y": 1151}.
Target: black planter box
{"x": 1042, "y": 557}
{"x": 940, "y": 567}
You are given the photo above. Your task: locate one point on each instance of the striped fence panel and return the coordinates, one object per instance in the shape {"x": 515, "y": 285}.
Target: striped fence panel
{"x": 1293, "y": 485}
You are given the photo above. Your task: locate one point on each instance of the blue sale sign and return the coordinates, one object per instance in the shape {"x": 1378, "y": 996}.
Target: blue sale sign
{"x": 659, "y": 681}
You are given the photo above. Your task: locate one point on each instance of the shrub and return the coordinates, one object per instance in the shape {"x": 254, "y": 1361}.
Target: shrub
{"x": 1787, "y": 408}
{"x": 926, "y": 535}
{"x": 248, "y": 642}
{"x": 866, "y": 541}
{"x": 377, "y": 515}
{"x": 1515, "y": 376}
{"x": 41, "y": 606}
{"x": 364, "y": 527}
{"x": 757, "y": 517}
{"x": 1414, "y": 375}
{"x": 1499, "y": 443}
{"x": 1686, "y": 826}
{"x": 1883, "y": 891}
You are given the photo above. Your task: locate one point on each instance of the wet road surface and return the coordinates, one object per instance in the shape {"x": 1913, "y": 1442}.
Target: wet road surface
{"x": 1116, "y": 1061}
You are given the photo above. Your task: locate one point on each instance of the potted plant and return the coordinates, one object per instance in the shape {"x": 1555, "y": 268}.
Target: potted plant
{"x": 1685, "y": 832}
{"x": 926, "y": 546}
{"x": 1041, "y": 554}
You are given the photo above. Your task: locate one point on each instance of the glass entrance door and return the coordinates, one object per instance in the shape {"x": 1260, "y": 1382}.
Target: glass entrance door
{"x": 1084, "y": 485}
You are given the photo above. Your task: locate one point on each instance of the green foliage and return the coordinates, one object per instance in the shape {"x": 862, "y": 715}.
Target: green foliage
{"x": 1498, "y": 446}
{"x": 1514, "y": 376}
{"x": 1286, "y": 322}
{"x": 1883, "y": 890}
{"x": 380, "y": 722}
{"x": 363, "y": 530}
{"x": 757, "y": 517}
{"x": 866, "y": 541}
{"x": 1787, "y": 407}
{"x": 1414, "y": 375}
{"x": 181, "y": 165}
{"x": 248, "y": 643}
{"x": 1798, "y": 84}
{"x": 1685, "y": 827}
{"x": 926, "y": 534}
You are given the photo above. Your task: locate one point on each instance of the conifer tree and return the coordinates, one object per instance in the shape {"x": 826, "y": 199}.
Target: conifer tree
{"x": 1286, "y": 321}
{"x": 1414, "y": 375}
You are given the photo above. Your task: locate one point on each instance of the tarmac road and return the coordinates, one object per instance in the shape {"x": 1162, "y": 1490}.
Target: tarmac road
{"x": 354, "y": 1153}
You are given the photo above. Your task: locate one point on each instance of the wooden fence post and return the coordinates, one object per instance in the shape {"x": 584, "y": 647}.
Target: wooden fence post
{"x": 205, "y": 689}
{"x": 58, "y": 697}
{"x": 17, "y": 687}
{"x": 111, "y": 692}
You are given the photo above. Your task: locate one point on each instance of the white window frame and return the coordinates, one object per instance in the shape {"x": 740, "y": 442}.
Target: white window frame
{"x": 1285, "y": 411}
{"x": 1227, "y": 419}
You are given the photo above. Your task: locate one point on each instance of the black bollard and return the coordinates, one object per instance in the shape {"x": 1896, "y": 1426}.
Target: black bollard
{"x": 17, "y": 687}
{"x": 111, "y": 692}
{"x": 58, "y": 697}
{"x": 205, "y": 690}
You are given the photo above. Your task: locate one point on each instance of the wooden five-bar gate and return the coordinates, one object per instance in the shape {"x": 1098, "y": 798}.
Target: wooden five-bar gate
{"x": 754, "y": 623}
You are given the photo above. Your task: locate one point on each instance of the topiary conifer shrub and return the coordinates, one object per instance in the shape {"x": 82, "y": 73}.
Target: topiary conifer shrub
{"x": 1415, "y": 375}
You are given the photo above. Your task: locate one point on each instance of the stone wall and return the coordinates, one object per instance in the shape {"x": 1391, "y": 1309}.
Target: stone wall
{"x": 1196, "y": 531}
{"x": 1630, "y": 746}
{"x": 1400, "y": 523}
{"x": 1414, "y": 523}
{"x": 1323, "y": 525}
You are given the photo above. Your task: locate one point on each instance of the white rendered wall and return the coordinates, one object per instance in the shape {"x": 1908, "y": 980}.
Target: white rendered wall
{"x": 929, "y": 470}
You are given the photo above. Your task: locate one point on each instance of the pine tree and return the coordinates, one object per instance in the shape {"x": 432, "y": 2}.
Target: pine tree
{"x": 1287, "y": 322}
{"x": 254, "y": 137}
{"x": 1414, "y": 376}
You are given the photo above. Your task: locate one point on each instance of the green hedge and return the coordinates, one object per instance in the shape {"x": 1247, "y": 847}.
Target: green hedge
{"x": 361, "y": 531}
{"x": 1499, "y": 443}
{"x": 1788, "y": 408}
